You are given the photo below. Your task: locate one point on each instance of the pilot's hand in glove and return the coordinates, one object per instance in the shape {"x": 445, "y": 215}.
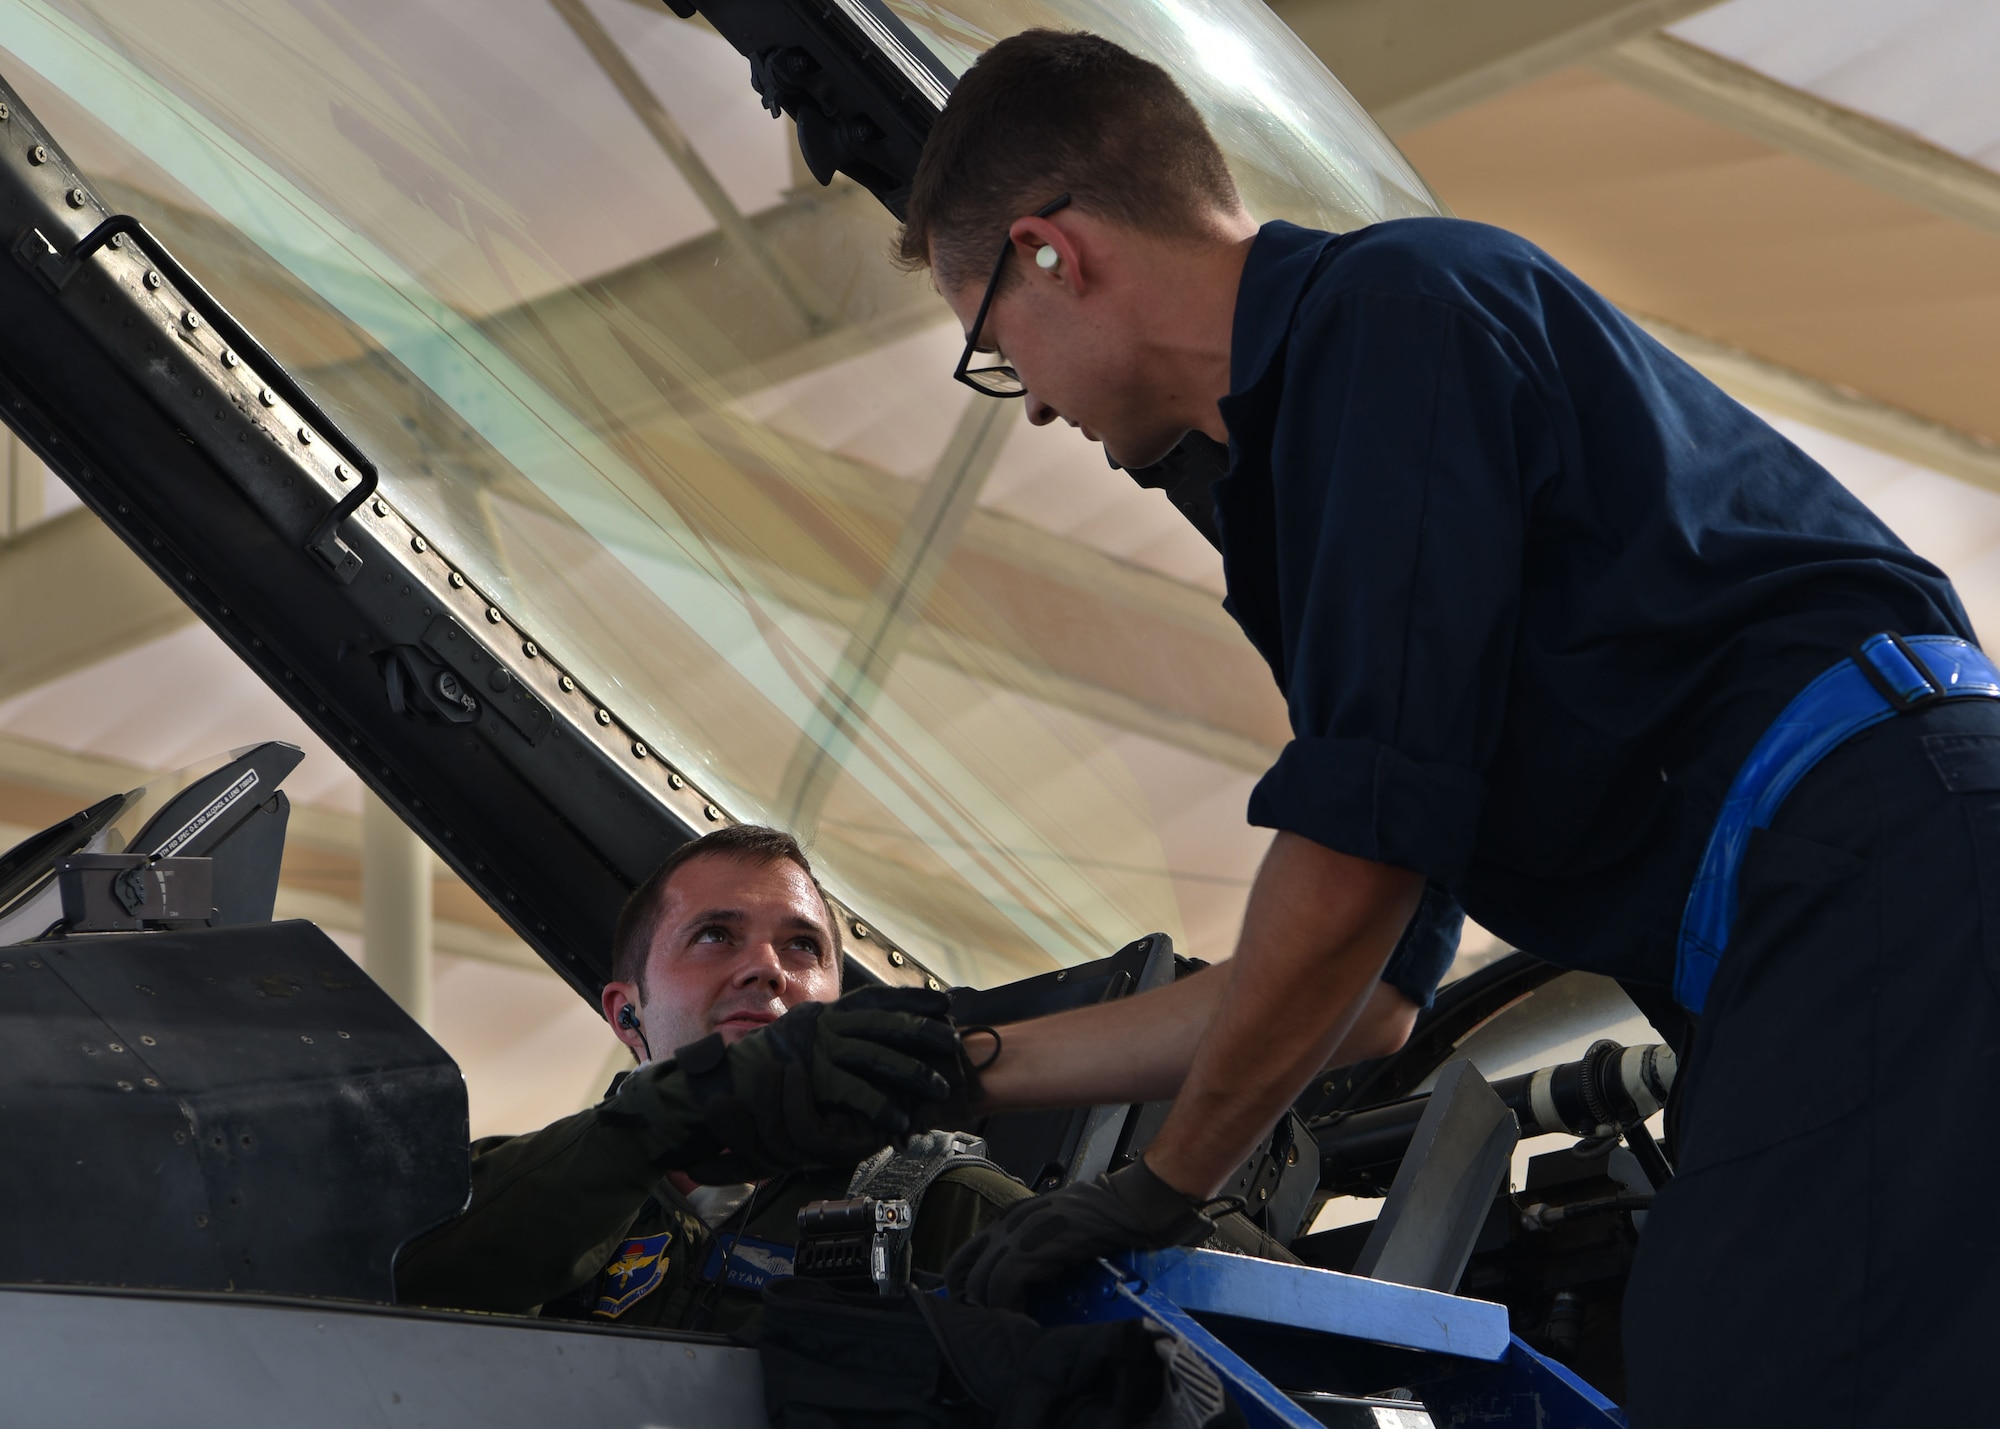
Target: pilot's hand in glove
{"x": 825, "y": 1085}
{"x": 1040, "y": 1238}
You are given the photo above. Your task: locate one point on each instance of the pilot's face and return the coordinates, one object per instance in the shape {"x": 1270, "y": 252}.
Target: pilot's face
{"x": 737, "y": 944}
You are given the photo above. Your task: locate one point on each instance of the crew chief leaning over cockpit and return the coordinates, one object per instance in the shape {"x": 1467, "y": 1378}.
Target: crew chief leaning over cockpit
{"x": 1565, "y": 630}
{"x": 600, "y": 1216}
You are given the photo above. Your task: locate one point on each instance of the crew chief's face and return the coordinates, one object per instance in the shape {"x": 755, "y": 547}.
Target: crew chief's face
{"x": 1068, "y": 331}
{"x": 737, "y": 944}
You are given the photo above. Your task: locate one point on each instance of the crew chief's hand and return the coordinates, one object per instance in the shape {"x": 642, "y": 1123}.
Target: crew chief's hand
{"x": 1041, "y": 1237}
{"x": 825, "y": 1085}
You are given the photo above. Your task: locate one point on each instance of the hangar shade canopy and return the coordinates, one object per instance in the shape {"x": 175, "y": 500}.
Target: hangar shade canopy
{"x": 665, "y": 400}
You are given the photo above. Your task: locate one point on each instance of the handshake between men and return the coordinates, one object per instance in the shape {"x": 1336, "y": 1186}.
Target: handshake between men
{"x": 827, "y": 1084}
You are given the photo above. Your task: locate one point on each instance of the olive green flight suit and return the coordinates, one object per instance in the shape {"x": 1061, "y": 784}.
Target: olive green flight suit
{"x": 575, "y": 1221}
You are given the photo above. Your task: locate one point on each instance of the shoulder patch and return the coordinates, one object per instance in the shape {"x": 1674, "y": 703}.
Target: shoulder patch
{"x": 634, "y": 1273}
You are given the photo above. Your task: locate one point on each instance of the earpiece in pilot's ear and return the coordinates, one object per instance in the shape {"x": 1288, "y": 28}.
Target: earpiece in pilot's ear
{"x": 1046, "y": 258}
{"x": 629, "y": 1020}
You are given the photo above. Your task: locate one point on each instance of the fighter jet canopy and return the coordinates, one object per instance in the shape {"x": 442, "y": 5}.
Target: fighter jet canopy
{"x": 680, "y": 517}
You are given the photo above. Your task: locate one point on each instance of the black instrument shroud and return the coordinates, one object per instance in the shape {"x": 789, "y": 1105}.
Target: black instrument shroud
{"x": 226, "y": 1109}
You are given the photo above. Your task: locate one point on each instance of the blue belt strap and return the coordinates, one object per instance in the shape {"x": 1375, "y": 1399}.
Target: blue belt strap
{"x": 1887, "y": 676}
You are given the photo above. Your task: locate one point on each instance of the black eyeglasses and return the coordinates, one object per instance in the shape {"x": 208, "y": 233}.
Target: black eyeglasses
{"x": 999, "y": 380}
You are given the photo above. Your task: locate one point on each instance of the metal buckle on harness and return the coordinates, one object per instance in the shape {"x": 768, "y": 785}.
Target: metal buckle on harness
{"x": 1897, "y": 672}
{"x": 856, "y": 1243}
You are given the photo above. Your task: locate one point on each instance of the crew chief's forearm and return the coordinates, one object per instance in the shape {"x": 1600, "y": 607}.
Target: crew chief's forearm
{"x": 1139, "y": 1048}
{"x": 1319, "y": 927}
{"x": 1136, "y": 1049}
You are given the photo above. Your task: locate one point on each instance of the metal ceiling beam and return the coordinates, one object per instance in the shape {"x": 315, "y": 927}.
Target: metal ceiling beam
{"x": 785, "y": 280}
{"x": 1855, "y": 144}
{"x": 1413, "y": 61}
{"x": 83, "y": 777}
{"x": 1221, "y": 707}
{"x": 90, "y": 599}
{"x": 452, "y": 939}
{"x": 1838, "y": 410}
{"x": 894, "y": 608}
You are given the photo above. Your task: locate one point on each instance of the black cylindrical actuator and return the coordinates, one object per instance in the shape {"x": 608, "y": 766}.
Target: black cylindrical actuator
{"x": 1608, "y": 1087}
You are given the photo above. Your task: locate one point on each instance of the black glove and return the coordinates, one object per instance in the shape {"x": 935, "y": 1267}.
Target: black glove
{"x": 962, "y": 1110}
{"x": 1041, "y": 1237}
{"x": 825, "y": 1085}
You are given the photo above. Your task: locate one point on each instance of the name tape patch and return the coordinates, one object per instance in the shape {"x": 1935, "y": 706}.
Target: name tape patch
{"x": 751, "y": 1262}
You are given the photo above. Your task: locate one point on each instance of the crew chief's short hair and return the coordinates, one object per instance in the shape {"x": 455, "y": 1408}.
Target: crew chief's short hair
{"x": 1049, "y": 112}
{"x": 752, "y": 843}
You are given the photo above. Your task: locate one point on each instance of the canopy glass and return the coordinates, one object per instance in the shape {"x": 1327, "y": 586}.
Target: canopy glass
{"x": 666, "y": 401}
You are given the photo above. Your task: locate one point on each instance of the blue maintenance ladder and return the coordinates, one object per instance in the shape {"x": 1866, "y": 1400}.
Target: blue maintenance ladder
{"x": 1320, "y": 1328}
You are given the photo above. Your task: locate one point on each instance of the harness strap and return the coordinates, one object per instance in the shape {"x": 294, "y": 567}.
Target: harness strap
{"x": 904, "y": 1175}
{"x": 1886, "y": 676}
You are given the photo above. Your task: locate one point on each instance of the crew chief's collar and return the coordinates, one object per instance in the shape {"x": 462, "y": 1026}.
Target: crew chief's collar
{"x": 1283, "y": 256}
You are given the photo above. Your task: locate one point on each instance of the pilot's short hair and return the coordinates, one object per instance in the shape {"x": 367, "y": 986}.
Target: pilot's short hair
{"x": 752, "y": 843}
{"x": 1049, "y": 112}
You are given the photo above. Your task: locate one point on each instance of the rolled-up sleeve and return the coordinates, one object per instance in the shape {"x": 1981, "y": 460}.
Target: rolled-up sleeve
{"x": 1404, "y": 455}
{"x": 1428, "y": 947}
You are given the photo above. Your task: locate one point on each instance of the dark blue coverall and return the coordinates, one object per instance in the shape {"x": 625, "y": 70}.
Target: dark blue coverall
{"x": 1532, "y": 589}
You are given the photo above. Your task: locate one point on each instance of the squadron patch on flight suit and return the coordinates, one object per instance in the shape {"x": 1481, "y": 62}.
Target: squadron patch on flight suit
{"x": 633, "y": 1274}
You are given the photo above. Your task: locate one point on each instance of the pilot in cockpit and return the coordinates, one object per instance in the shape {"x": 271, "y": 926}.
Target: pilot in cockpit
{"x": 759, "y": 1089}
